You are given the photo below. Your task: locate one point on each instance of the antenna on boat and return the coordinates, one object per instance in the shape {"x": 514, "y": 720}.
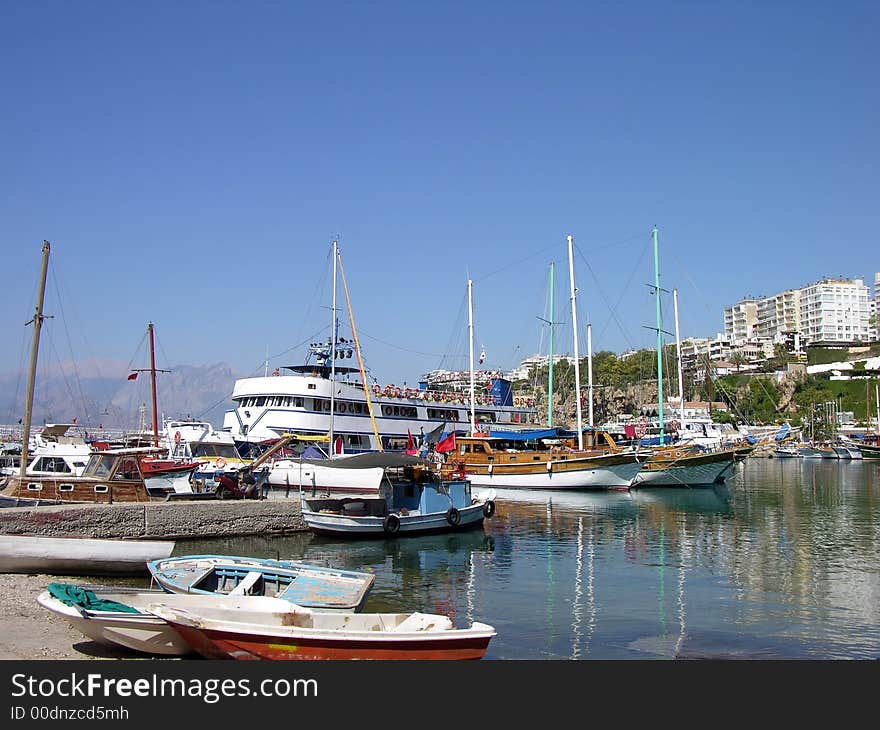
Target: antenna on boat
{"x": 471, "y": 343}
{"x": 577, "y": 368}
{"x": 590, "y": 374}
{"x": 678, "y": 359}
{"x": 333, "y": 333}
{"x": 38, "y": 324}
{"x": 659, "y": 333}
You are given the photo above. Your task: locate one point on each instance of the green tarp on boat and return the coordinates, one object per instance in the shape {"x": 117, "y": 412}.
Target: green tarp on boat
{"x": 75, "y": 596}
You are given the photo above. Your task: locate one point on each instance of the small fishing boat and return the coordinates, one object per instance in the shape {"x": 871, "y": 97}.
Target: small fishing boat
{"x": 786, "y": 452}
{"x": 415, "y": 502}
{"x": 79, "y": 555}
{"x": 288, "y": 631}
{"x": 311, "y": 586}
{"x": 114, "y": 616}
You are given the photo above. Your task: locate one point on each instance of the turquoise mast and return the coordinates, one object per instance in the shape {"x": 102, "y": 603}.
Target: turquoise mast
{"x": 659, "y": 332}
{"x": 550, "y": 350}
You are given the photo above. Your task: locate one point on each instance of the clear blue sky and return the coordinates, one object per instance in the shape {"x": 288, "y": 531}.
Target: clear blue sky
{"x": 191, "y": 162}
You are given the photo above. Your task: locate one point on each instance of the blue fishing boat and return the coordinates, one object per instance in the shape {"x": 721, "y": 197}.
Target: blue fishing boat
{"x": 317, "y": 587}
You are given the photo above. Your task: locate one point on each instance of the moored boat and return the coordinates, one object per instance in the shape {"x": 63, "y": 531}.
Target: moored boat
{"x": 673, "y": 467}
{"x": 312, "y": 586}
{"x": 292, "y": 632}
{"x": 412, "y": 502}
{"x": 79, "y": 555}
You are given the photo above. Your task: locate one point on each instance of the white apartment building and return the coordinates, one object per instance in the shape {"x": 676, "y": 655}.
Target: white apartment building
{"x": 875, "y": 310}
{"x": 539, "y": 361}
{"x": 830, "y": 310}
{"x": 779, "y": 314}
{"x": 741, "y": 320}
{"x": 835, "y": 310}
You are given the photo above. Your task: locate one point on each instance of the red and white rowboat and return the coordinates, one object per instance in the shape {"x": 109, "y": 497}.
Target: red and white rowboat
{"x": 288, "y": 631}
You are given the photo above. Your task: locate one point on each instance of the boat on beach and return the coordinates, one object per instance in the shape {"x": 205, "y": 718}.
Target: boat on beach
{"x": 312, "y": 586}
{"x": 285, "y": 631}
{"x": 79, "y": 555}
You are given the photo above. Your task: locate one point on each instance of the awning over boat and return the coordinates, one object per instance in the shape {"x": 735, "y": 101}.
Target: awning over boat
{"x": 547, "y": 433}
{"x": 368, "y": 460}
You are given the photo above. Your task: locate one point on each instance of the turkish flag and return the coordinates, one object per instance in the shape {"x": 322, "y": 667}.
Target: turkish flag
{"x": 133, "y": 376}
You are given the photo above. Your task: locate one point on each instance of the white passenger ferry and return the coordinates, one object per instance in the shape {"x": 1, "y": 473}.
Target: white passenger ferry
{"x": 299, "y": 401}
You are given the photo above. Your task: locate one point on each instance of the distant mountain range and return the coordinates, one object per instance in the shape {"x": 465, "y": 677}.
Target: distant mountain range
{"x": 187, "y": 391}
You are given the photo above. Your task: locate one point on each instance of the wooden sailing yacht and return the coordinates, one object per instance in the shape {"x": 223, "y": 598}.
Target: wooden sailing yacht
{"x": 538, "y": 459}
{"x": 670, "y": 466}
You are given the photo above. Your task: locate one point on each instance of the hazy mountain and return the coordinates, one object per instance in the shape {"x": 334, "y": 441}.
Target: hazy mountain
{"x": 187, "y": 391}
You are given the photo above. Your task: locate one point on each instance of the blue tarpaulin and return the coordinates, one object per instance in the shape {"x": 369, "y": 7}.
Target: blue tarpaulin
{"x": 547, "y": 433}
{"x": 783, "y": 432}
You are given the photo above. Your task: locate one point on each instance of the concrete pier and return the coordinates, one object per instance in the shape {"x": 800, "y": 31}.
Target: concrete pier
{"x": 156, "y": 520}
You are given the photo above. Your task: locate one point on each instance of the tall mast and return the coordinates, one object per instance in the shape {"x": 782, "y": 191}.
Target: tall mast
{"x": 678, "y": 359}
{"x": 471, "y": 343}
{"x": 590, "y": 375}
{"x": 32, "y": 372}
{"x": 877, "y": 401}
{"x": 659, "y": 332}
{"x": 333, "y": 350}
{"x": 153, "y": 386}
{"x": 550, "y": 353}
{"x": 577, "y": 365}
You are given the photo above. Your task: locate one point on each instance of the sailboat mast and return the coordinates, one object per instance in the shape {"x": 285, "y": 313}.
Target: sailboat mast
{"x": 471, "y": 344}
{"x": 153, "y": 386}
{"x": 590, "y": 374}
{"x": 32, "y": 372}
{"x": 577, "y": 365}
{"x": 550, "y": 353}
{"x": 659, "y": 332}
{"x": 333, "y": 349}
{"x": 678, "y": 360}
{"x": 877, "y": 401}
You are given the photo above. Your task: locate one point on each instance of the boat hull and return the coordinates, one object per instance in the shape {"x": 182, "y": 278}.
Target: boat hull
{"x": 79, "y": 556}
{"x": 142, "y": 632}
{"x": 332, "y": 524}
{"x": 615, "y": 472}
{"x": 220, "y": 644}
{"x": 289, "y": 475}
{"x": 686, "y": 471}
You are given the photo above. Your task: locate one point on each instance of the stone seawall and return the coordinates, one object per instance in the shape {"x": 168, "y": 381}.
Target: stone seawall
{"x": 155, "y": 520}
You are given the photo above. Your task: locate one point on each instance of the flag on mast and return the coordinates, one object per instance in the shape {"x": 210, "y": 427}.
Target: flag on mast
{"x": 133, "y": 376}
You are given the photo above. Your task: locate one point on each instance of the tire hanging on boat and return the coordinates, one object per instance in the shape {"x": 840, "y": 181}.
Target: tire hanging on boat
{"x": 453, "y": 516}
{"x": 391, "y": 524}
{"x": 488, "y": 508}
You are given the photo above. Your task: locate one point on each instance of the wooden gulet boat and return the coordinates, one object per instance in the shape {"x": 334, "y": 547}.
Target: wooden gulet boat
{"x": 292, "y": 632}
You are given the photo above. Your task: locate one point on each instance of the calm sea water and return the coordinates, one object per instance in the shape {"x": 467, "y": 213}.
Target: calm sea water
{"x": 781, "y": 562}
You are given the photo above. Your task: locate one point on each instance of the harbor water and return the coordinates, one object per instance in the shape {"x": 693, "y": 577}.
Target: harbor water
{"x": 781, "y": 562}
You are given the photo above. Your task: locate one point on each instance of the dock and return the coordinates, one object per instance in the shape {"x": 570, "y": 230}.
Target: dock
{"x": 156, "y": 520}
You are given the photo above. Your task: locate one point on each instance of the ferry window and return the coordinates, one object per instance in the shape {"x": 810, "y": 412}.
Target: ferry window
{"x": 311, "y": 386}
{"x": 298, "y": 402}
{"x": 261, "y": 400}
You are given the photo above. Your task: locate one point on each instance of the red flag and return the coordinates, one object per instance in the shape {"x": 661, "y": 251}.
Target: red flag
{"x": 74, "y": 420}
{"x": 410, "y": 444}
{"x": 447, "y": 444}
{"x": 337, "y": 445}
{"x": 133, "y": 376}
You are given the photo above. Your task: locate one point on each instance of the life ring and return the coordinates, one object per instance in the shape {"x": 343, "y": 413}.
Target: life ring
{"x": 488, "y": 508}
{"x": 391, "y": 524}
{"x": 221, "y": 462}
{"x": 177, "y": 437}
{"x": 453, "y": 516}
{"x": 674, "y": 425}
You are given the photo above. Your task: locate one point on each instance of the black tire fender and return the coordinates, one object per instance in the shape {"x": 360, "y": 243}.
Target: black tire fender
{"x": 453, "y": 516}
{"x": 488, "y": 508}
{"x": 391, "y": 524}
